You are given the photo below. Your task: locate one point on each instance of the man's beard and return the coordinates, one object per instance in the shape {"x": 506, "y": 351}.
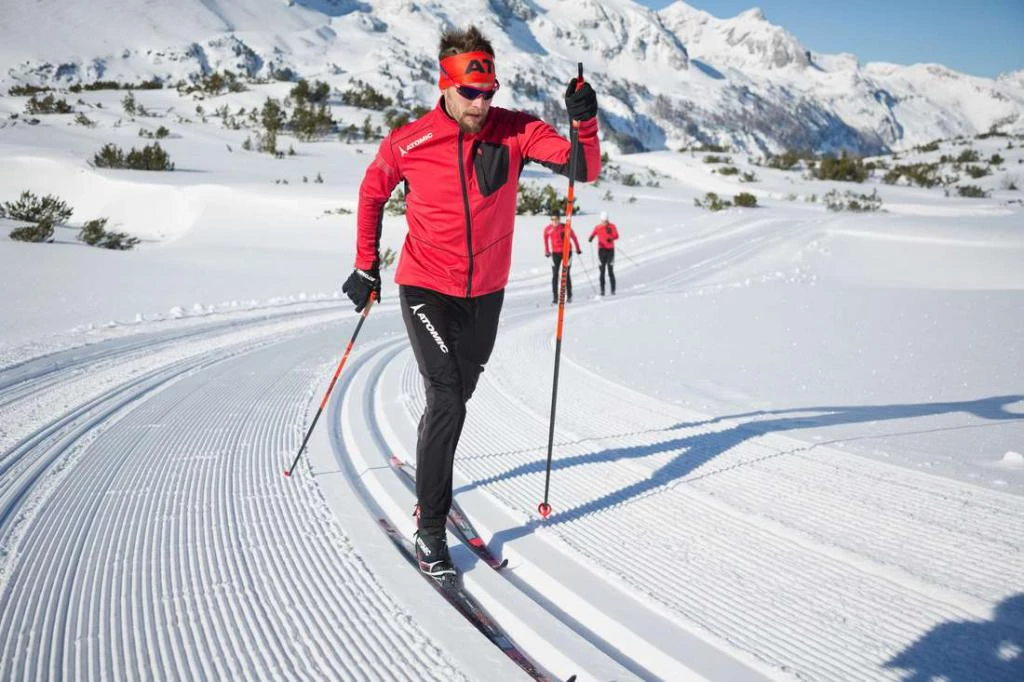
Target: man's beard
{"x": 472, "y": 125}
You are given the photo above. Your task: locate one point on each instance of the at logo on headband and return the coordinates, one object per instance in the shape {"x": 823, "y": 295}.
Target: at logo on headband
{"x": 469, "y": 68}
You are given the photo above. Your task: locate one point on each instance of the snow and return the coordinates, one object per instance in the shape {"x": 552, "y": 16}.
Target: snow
{"x": 788, "y": 448}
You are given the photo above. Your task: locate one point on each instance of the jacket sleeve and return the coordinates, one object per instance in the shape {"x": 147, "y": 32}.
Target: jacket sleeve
{"x": 541, "y": 143}
{"x": 575, "y": 242}
{"x": 381, "y": 178}
{"x": 547, "y": 239}
{"x": 615, "y": 232}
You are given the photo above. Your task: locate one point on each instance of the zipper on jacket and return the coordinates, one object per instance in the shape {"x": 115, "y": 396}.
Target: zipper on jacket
{"x": 469, "y": 223}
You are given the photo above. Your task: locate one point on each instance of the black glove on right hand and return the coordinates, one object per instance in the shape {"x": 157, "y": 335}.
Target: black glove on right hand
{"x": 360, "y": 284}
{"x": 581, "y": 104}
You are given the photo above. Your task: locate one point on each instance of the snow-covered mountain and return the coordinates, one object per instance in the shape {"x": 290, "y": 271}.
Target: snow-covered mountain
{"x": 667, "y": 79}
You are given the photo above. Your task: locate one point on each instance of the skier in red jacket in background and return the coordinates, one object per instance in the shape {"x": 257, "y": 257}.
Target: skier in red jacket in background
{"x": 554, "y": 233}
{"x": 460, "y": 164}
{"x": 606, "y": 234}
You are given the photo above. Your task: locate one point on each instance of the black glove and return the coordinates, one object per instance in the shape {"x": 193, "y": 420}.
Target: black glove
{"x": 360, "y": 284}
{"x": 581, "y": 104}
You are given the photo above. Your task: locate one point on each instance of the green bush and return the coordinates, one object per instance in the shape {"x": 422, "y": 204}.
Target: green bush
{"x": 712, "y": 202}
{"x": 920, "y": 174}
{"x": 310, "y": 121}
{"x": 41, "y": 232}
{"x": 396, "y": 204}
{"x": 542, "y": 201}
{"x": 745, "y": 199}
{"x": 977, "y": 171}
{"x": 364, "y": 96}
{"x": 932, "y": 146}
{"x": 25, "y": 90}
{"x": 857, "y": 203}
{"x": 968, "y": 156}
{"x": 748, "y": 177}
{"x": 32, "y": 209}
{"x": 47, "y": 105}
{"x": 996, "y": 160}
{"x": 785, "y": 161}
{"x": 315, "y": 94}
{"x": 971, "y": 192}
{"x": 150, "y": 158}
{"x": 712, "y": 158}
{"x": 94, "y": 233}
{"x": 728, "y": 170}
{"x": 843, "y": 169}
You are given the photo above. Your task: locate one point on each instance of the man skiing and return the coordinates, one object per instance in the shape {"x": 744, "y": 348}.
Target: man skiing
{"x": 554, "y": 233}
{"x": 606, "y": 234}
{"x": 460, "y": 164}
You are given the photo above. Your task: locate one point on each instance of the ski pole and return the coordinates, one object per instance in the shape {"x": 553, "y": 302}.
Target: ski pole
{"x": 544, "y": 508}
{"x": 619, "y": 249}
{"x": 586, "y": 272}
{"x": 334, "y": 380}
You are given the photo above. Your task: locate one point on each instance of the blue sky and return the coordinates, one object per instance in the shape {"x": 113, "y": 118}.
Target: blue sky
{"x": 983, "y": 38}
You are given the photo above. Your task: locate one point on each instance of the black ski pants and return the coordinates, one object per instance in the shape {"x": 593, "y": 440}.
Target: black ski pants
{"x": 556, "y": 272}
{"x": 452, "y": 339}
{"x": 606, "y": 258}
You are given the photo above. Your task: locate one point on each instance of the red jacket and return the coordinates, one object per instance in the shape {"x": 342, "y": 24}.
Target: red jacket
{"x": 553, "y": 235}
{"x": 606, "y": 236}
{"x": 461, "y": 192}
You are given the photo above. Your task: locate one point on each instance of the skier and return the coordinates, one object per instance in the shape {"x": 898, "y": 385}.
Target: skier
{"x": 553, "y": 235}
{"x": 606, "y": 234}
{"x": 460, "y": 164}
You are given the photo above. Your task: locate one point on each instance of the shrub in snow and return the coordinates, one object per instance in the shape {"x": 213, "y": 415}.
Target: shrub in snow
{"x": 94, "y": 233}
{"x": 42, "y": 232}
{"x": 32, "y": 209}
{"x": 728, "y": 170}
{"x": 310, "y": 94}
{"x": 971, "y": 192}
{"x": 47, "y": 105}
{"x": 25, "y": 90}
{"x": 364, "y": 96}
{"x": 396, "y": 204}
{"x": 843, "y": 169}
{"x": 712, "y": 202}
{"x": 151, "y": 158}
{"x": 785, "y": 161}
{"x": 387, "y": 258}
{"x": 310, "y": 121}
{"x": 921, "y": 174}
{"x": 543, "y": 201}
{"x": 976, "y": 171}
{"x": 83, "y": 120}
{"x": 968, "y": 156}
{"x": 745, "y": 199}
{"x": 857, "y": 203}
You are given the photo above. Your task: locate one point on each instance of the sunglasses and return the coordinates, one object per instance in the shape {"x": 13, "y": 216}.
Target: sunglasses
{"x": 471, "y": 94}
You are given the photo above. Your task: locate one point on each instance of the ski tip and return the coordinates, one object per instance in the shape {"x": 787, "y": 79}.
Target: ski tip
{"x": 503, "y": 564}
{"x": 544, "y": 509}
{"x": 571, "y": 679}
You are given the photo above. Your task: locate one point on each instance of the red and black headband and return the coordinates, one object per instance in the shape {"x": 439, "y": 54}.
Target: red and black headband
{"x": 475, "y": 69}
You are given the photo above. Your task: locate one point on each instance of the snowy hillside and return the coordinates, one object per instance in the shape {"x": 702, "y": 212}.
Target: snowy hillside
{"x": 790, "y": 447}
{"x": 668, "y": 79}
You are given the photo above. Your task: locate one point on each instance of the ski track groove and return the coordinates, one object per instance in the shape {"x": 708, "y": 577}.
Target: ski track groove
{"x": 140, "y": 567}
{"x": 783, "y": 518}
